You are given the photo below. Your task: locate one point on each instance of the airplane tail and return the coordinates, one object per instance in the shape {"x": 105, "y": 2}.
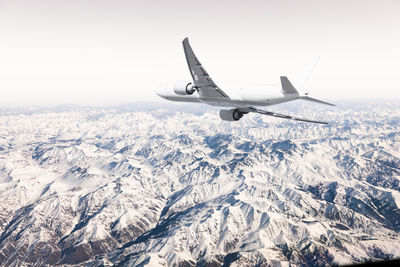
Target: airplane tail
{"x": 287, "y": 87}
{"x": 289, "y": 90}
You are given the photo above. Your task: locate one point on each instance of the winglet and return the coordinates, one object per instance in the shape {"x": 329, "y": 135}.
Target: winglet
{"x": 287, "y": 87}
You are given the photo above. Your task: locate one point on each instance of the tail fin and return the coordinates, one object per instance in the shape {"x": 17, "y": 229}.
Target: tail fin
{"x": 287, "y": 87}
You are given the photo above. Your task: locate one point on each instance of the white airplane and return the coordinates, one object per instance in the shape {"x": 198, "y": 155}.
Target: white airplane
{"x": 241, "y": 101}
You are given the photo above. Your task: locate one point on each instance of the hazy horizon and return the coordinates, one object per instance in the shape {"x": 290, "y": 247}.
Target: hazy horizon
{"x": 106, "y": 53}
{"x": 165, "y": 103}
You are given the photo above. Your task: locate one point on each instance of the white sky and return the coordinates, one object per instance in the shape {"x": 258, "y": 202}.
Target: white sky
{"x": 113, "y": 52}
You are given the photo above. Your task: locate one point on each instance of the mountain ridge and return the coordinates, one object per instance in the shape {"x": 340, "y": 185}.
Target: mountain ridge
{"x": 158, "y": 187}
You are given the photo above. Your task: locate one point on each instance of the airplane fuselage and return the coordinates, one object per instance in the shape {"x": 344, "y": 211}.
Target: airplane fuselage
{"x": 238, "y": 96}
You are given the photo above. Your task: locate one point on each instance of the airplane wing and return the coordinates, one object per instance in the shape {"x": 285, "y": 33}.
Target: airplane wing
{"x": 203, "y": 81}
{"x": 274, "y": 114}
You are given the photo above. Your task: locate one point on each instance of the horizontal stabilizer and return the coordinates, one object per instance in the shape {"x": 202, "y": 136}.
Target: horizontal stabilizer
{"x": 307, "y": 98}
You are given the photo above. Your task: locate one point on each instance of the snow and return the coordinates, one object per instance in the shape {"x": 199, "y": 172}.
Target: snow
{"x": 164, "y": 187}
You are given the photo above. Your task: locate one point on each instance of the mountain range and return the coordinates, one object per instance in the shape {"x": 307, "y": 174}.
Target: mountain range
{"x": 162, "y": 185}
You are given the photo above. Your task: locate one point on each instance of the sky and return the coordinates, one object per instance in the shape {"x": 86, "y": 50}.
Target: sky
{"x": 101, "y": 52}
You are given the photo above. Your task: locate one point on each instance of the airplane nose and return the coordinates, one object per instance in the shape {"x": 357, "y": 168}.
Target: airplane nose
{"x": 159, "y": 92}
{"x": 162, "y": 91}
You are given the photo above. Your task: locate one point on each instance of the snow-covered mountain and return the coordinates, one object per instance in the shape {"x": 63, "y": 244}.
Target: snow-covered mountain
{"x": 159, "y": 186}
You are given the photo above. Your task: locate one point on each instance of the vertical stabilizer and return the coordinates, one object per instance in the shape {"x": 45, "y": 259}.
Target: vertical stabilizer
{"x": 287, "y": 87}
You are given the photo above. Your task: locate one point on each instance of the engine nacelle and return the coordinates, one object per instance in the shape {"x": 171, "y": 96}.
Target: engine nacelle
{"x": 230, "y": 114}
{"x": 183, "y": 88}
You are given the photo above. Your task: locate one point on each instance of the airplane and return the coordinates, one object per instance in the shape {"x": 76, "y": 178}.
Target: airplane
{"x": 203, "y": 90}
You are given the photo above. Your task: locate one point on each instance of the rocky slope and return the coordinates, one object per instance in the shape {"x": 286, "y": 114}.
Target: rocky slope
{"x": 143, "y": 185}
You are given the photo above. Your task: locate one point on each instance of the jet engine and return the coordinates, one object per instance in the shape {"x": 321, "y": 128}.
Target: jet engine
{"x": 230, "y": 114}
{"x": 183, "y": 88}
